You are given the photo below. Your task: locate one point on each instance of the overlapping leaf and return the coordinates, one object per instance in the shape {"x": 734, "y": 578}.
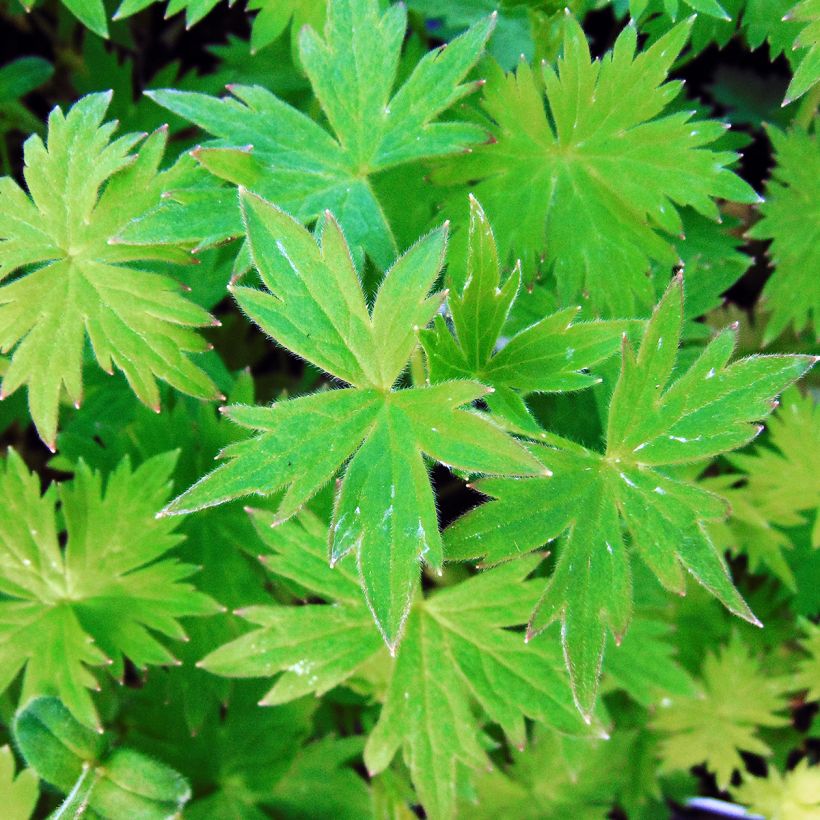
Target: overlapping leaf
{"x": 456, "y": 645}
{"x": 807, "y": 42}
{"x": 794, "y": 795}
{"x": 715, "y": 725}
{"x": 791, "y": 219}
{"x": 83, "y": 188}
{"x": 282, "y": 154}
{"x": 103, "y": 597}
{"x": 594, "y": 181}
{"x": 385, "y": 511}
{"x": 95, "y": 779}
{"x": 550, "y": 355}
{"x": 658, "y": 418}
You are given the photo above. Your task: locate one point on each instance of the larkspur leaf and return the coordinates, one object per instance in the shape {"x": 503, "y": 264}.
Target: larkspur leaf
{"x": 59, "y": 234}
{"x": 384, "y": 511}
{"x": 658, "y": 417}
{"x": 595, "y": 182}
{"x": 306, "y": 169}
{"x": 101, "y": 599}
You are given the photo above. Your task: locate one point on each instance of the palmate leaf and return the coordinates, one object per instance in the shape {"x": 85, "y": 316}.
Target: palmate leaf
{"x": 713, "y": 726}
{"x": 655, "y": 421}
{"x": 776, "y": 486}
{"x": 595, "y": 182}
{"x": 551, "y": 355}
{"x": 456, "y": 647}
{"x": 103, "y": 597}
{"x": 794, "y": 795}
{"x": 59, "y": 237}
{"x": 306, "y": 169}
{"x": 384, "y": 512}
{"x": 791, "y": 219}
{"x": 561, "y": 776}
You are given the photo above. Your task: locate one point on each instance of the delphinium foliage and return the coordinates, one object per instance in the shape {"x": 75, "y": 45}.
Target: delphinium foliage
{"x": 408, "y": 409}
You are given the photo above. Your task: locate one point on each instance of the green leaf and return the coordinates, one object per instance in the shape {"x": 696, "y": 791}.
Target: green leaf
{"x": 91, "y": 13}
{"x": 83, "y": 188}
{"x": 456, "y": 644}
{"x": 314, "y": 647}
{"x": 657, "y": 418}
{"x": 807, "y": 73}
{"x": 643, "y": 664}
{"x": 791, "y": 214}
{"x": 19, "y": 793}
{"x": 594, "y": 183}
{"x": 103, "y": 597}
{"x": 306, "y": 169}
{"x": 80, "y": 763}
{"x": 552, "y": 354}
{"x": 560, "y": 776}
{"x": 21, "y": 76}
{"x": 808, "y": 674}
{"x": 714, "y": 725}
{"x": 384, "y": 510}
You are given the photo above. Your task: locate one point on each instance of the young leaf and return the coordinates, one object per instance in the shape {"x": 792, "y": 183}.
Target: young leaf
{"x": 712, "y": 727}
{"x": 19, "y": 793}
{"x": 101, "y": 598}
{"x": 300, "y": 165}
{"x": 552, "y": 354}
{"x": 791, "y": 215}
{"x": 80, "y": 763}
{"x": 59, "y": 235}
{"x": 384, "y": 509}
{"x": 794, "y": 795}
{"x": 595, "y": 182}
{"x": 655, "y": 421}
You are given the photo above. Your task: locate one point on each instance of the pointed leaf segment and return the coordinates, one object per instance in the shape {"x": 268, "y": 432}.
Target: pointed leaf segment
{"x": 457, "y": 646}
{"x": 551, "y": 355}
{"x": 593, "y": 182}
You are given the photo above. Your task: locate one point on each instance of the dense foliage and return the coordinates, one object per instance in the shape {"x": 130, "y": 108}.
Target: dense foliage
{"x": 501, "y": 323}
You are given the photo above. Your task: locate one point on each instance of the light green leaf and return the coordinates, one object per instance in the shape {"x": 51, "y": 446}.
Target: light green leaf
{"x": 791, "y": 219}
{"x": 456, "y": 644}
{"x": 19, "y": 793}
{"x": 384, "y": 510}
{"x": 714, "y": 725}
{"x": 103, "y": 597}
{"x": 794, "y": 795}
{"x": 83, "y": 189}
{"x": 594, "y": 182}
{"x": 807, "y": 73}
